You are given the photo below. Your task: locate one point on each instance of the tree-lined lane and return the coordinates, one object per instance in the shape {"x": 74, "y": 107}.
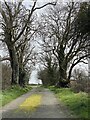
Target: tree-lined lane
{"x": 48, "y": 108}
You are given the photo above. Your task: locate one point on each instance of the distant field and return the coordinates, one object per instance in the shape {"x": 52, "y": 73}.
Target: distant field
{"x": 78, "y": 103}
{"x": 10, "y": 94}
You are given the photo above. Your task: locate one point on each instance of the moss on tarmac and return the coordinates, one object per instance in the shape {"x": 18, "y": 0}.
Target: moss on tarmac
{"x": 31, "y": 102}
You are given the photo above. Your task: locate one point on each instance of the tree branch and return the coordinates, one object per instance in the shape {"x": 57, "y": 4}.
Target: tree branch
{"x": 51, "y": 3}
{"x": 4, "y": 59}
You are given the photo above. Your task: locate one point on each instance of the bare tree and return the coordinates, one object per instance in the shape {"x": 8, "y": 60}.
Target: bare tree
{"x": 14, "y": 19}
{"x": 61, "y": 37}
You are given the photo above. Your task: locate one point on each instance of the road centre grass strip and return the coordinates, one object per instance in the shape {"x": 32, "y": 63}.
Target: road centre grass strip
{"x": 31, "y": 103}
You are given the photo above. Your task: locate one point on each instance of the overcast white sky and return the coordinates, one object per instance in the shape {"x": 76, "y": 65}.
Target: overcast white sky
{"x": 44, "y": 1}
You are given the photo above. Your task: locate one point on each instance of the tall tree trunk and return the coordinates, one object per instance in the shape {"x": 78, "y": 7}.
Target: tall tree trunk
{"x": 21, "y": 76}
{"x": 21, "y": 71}
{"x": 89, "y": 57}
{"x": 14, "y": 64}
{"x": 12, "y": 54}
{"x": 63, "y": 81}
{"x": 62, "y": 68}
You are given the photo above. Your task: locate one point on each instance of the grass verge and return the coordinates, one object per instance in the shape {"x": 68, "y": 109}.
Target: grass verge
{"x": 12, "y": 93}
{"x": 78, "y": 103}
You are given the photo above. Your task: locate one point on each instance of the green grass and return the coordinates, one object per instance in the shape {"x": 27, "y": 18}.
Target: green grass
{"x": 12, "y": 93}
{"x": 76, "y": 102}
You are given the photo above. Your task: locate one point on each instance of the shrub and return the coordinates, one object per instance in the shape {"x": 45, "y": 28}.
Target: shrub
{"x": 81, "y": 82}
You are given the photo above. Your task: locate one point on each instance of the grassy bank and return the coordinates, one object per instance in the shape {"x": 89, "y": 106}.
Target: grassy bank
{"x": 78, "y": 103}
{"x": 12, "y": 93}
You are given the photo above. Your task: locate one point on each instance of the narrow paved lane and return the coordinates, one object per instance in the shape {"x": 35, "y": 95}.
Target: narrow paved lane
{"x": 49, "y": 108}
